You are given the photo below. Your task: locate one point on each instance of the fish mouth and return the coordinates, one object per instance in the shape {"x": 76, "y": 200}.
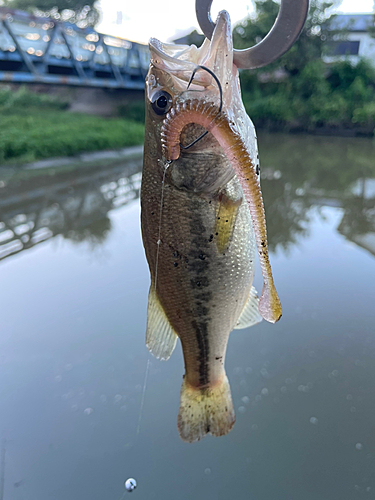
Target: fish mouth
{"x": 181, "y": 60}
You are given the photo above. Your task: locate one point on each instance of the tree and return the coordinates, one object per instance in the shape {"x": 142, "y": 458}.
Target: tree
{"x": 80, "y": 12}
{"x": 299, "y": 91}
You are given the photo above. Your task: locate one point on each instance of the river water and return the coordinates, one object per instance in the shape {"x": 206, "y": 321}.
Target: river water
{"x": 73, "y": 298}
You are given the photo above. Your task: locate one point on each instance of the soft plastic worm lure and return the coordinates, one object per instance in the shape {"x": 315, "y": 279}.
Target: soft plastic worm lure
{"x": 208, "y": 115}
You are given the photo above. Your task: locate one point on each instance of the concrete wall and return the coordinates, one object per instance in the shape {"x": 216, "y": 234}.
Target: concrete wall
{"x": 104, "y": 102}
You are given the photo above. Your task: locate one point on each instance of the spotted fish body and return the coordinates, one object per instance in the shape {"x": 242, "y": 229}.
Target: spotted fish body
{"x": 197, "y": 230}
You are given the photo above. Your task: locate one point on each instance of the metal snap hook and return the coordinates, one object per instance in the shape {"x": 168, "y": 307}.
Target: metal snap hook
{"x": 287, "y": 28}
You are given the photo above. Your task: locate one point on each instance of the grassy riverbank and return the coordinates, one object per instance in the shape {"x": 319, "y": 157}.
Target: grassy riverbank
{"x": 35, "y": 126}
{"x": 335, "y": 100}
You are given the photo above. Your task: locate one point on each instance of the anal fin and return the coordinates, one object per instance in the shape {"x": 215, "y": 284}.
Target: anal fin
{"x": 160, "y": 337}
{"x": 250, "y": 313}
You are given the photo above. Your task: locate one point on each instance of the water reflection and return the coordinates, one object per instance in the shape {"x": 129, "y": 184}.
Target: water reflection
{"x": 73, "y": 357}
{"x": 34, "y": 208}
{"x": 304, "y": 172}
{"x": 298, "y": 173}
{"x": 358, "y": 222}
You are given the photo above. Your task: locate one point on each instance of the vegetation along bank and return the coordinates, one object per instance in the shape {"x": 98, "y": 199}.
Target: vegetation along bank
{"x": 299, "y": 92}
{"x": 35, "y": 126}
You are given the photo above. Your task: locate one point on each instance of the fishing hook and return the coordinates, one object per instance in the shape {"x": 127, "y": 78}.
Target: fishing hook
{"x": 285, "y": 31}
{"x": 221, "y": 100}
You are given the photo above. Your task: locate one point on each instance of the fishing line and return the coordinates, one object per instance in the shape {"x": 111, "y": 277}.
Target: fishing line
{"x": 158, "y": 243}
{"x": 143, "y": 399}
{"x": 2, "y": 468}
{"x": 221, "y": 99}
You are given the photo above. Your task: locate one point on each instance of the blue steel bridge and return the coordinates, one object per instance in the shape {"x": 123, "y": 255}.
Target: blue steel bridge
{"x": 41, "y": 50}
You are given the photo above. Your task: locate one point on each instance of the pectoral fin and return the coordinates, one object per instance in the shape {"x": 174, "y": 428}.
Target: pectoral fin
{"x": 160, "y": 337}
{"x": 250, "y": 314}
{"x": 225, "y": 219}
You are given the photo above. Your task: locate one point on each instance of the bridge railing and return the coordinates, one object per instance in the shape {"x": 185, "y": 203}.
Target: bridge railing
{"x": 35, "y": 49}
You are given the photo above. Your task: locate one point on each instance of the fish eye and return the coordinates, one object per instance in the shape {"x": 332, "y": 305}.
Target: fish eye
{"x": 161, "y": 102}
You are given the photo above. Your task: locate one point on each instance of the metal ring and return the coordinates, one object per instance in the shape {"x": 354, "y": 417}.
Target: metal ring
{"x": 287, "y": 28}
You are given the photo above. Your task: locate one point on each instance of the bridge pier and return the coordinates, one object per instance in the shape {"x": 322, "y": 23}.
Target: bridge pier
{"x": 94, "y": 101}
{"x": 103, "y": 102}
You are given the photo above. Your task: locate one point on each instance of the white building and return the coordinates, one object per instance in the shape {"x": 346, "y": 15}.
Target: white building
{"x": 356, "y": 42}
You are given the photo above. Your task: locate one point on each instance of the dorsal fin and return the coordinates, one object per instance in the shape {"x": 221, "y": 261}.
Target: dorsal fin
{"x": 250, "y": 313}
{"x": 160, "y": 337}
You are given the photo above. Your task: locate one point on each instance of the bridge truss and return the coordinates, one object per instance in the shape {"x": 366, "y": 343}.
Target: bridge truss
{"x": 41, "y": 50}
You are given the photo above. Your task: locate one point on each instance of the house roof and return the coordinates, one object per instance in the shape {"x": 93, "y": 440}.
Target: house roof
{"x": 352, "y": 22}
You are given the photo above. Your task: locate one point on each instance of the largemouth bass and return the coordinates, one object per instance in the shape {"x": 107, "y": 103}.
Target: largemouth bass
{"x": 202, "y": 221}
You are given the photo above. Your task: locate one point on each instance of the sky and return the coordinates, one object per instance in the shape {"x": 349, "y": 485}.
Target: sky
{"x": 139, "y": 20}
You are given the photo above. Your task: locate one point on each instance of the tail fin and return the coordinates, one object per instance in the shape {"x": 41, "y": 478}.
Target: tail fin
{"x": 205, "y": 410}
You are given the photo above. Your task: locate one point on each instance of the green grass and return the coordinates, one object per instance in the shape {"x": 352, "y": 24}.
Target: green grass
{"x": 9, "y": 99}
{"x": 36, "y": 126}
